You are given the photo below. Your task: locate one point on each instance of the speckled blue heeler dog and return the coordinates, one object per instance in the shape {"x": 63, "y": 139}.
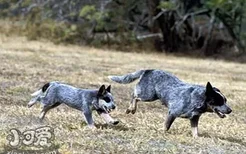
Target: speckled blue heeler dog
{"x": 54, "y": 93}
{"x": 182, "y": 99}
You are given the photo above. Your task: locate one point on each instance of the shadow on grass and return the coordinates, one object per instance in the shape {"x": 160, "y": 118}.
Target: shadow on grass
{"x": 118, "y": 127}
{"x": 229, "y": 139}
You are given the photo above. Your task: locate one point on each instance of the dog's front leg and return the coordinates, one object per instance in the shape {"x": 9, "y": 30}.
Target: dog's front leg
{"x": 129, "y": 109}
{"x": 88, "y": 118}
{"x": 108, "y": 118}
{"x": 169, "y": 121}
{"x": 194, "y": 125}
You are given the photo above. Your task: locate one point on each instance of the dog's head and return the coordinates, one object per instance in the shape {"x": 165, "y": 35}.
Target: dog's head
{"x": 216, "y": 101}
{"x": 105, "y": 99}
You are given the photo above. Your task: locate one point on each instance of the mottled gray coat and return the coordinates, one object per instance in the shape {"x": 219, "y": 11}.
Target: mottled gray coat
{"x": 55, "y": 93}
{"x": 182, "y": 99}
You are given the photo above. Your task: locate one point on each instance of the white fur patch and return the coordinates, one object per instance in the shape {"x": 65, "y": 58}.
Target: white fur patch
{"x": 108, "y": 105}
{"x": 194, "y": 131}
{"x": 107, "y": 117}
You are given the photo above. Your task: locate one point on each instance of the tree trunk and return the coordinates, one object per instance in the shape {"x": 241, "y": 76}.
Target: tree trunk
{"x": 206, "y": 49}
{"x": 165, "y": 22}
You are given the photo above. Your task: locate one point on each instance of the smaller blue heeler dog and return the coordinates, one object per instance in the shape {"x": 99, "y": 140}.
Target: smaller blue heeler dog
{"x": 182, "y": 99}
{"x": 55, "y": 93}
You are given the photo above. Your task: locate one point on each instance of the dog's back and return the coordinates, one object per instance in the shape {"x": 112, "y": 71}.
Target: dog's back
{"x": 157, "y": 80}
{"x": 171, "y": 91}
{"x": 158, "y": 84}
{"x": 69, "y": 95}
{"x": 152, "y": 83}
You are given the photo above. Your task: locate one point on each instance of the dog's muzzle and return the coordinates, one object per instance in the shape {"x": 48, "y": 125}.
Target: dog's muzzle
{"x": 222, "y": 114}
{"x": 104, "y": 109}
{"x": 107, "y": 110}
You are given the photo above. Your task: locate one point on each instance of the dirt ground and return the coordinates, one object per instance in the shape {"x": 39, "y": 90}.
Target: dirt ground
{"x": 26, "y": 65}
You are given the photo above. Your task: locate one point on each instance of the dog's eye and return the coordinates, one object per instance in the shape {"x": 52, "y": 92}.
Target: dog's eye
{"x": 106, "y": 99}
{"x": 218, "y": 100}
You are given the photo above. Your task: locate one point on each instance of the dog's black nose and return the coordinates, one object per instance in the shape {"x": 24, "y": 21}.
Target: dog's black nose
{"x": 113, "y": 107}
{"x": 229, "y": 111}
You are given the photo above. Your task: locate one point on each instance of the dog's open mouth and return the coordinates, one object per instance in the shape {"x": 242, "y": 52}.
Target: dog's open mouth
{"x": 102, "y": 109}
{"x": 220, "y": 114}
{"x": 106, "y": 109}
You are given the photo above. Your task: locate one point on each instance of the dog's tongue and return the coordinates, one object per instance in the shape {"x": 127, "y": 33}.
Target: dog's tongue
{"x": 221, "y": 115}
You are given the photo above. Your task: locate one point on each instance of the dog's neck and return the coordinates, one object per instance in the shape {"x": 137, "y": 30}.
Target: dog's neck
{"x": 206, "y": 103}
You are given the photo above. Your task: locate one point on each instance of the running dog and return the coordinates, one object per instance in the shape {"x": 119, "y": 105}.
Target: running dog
{"x": 182, "y": 99}
{"x": 55, "y": 93}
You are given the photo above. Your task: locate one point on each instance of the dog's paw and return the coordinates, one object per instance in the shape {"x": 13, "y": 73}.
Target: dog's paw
{"x": 31, "y": 103}
{"x": 133, "y": 111}
{"x": 115, "y": 122}
{"x": 128, "y": 111}
{"x": 92, "y": 127}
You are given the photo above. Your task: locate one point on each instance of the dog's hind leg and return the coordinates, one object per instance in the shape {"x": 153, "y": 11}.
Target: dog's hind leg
{"x": 169, "y": 121}
{"x": 46, "y": 108}
{"x": 133, "y": 105}
{"x": 194, "y": 126}
{"x": 129, "y": 109}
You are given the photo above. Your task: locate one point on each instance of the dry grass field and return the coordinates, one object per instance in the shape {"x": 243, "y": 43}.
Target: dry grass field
{"x": 26, "y": 65}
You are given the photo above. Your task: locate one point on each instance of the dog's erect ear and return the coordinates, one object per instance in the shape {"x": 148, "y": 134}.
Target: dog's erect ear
{"x": 209, "y": 89}
{"x": 101, "y": 90}
{"x": 108, "y": 88}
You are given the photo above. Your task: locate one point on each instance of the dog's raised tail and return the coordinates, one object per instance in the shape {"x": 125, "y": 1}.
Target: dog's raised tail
{"x": 128, "y": 78}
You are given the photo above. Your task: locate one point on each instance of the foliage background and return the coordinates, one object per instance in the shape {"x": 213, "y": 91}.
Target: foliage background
{"x": 206, "y": 26}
